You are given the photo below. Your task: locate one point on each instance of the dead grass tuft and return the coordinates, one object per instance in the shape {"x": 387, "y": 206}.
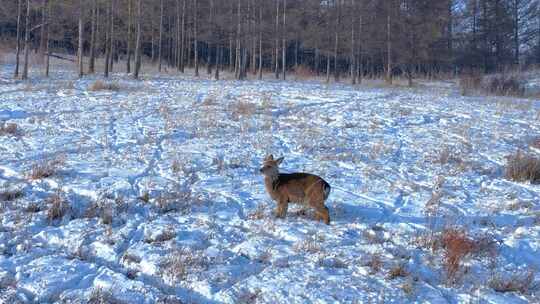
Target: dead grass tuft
{"x": 397, "y": 272}
{"x": 471, "y": 82}
{"x": 8, "y": 195}
{"x": 374, "y": 263}
{"x": 102, "y": 296}
{"x": 100, "y": 85}
{"x": 304, "y": 72}
{"x": 58, "y": 206}
{"x": 457, "y": 246}
{"x": 520, "y": 282}
{"x": 10, "y": 129}
{"x": 522, "y": 167}
{"x": 46, "y": 168}
{"x": 182, "y": 262}
{"x": 506, "y": 85}
{"x": 165, "y": 235}
{"x": 242, "y": 109}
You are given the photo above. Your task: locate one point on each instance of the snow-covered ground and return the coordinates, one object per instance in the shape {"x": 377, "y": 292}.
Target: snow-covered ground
{"x": 163, "y": 200}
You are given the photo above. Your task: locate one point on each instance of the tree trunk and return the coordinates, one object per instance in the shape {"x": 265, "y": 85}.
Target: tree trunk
{"x": 238, "y": 55}
{"x": 353, "y": 47}
{"x": 138, "y": 42}
{"x": 260, "y": 41}
{"x": 91, "y": 64}
{"x": 195, "y": 38}
{"x": 210, "y": 38}
{"x": 26, "y": 41}
{"x": 113, "y": 49}
{"x": 360, "y": 59}
{"x": 80, "y": 47}
{"x": 317, "y": 61}
{"x": 182, "y": 46}
{"x": 284, "y": 55}
{"x": 129, "y": 34}
{"x": 160, "y": 34}
{"x": 328, "y": 68}
{"x": 218, "y": 58}
{"x": 18, "y": 51}
{"x": 42, "y": 33}
{"x": 277, "y": 40}
{"x": 389, "y": 49}
{"x": 336, "y": 42}
{"x": 107, "y": 41}
{"x": 47, "y": 55}
{"x": 516, "y": 32}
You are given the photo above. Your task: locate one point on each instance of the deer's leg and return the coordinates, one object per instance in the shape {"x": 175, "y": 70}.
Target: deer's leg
{"x": 323, "y": 213}
{"x": 282, "y": 208}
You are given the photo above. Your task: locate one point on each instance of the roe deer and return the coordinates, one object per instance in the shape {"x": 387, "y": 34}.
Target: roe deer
{"x": 302, "y": 188}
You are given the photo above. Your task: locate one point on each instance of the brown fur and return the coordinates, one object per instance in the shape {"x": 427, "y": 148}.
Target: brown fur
{"x": 302, "y": 188}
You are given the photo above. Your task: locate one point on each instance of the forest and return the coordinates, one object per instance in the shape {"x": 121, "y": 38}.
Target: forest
{"x": 335, "y": 38}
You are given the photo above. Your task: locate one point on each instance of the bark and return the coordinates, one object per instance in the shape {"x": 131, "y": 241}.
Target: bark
{"x": 182, "y": 46}
{"x": 336, "y": 42}
{"x": 47, "y": 55}
{"x": 218, "y": 58}
{"x": 42, "y": 34}
{"x": 26, "y": 41}
{"x": 138, "y": 42}
{"x": 284, "y": 55}
{"x": 276, "y": 69}
{"x": 160, "y": 34}
{"x": 18, "y": 51}
{"x": 91, "y": 65}
{"x": 389, "y": 49}
{"x": 129, "y": 34}
{"x": 107, "y": 41}
{"x": 112, "y": 46}
{"x": 80, "y": 46}
{"x": 260, "y": 41}
{"x": 195, "y": 38}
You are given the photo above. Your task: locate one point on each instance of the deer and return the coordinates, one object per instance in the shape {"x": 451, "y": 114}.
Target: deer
{"x": 302, "y": 188}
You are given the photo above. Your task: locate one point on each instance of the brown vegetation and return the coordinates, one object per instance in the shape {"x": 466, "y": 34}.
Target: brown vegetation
{"x": 519, "y": 282}
{"x": 46, "y": 168}
{"x": 10, "y": 129}
{"x": 100, "y": 85}
{"x": 457, "y": 246}
{"x": 522, "y": 167}
{"x": 58, "y": 206}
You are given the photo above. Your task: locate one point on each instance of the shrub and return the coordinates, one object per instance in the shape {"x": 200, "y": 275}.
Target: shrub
{"x": 457, "y": 246}
{"x": 519, "y": 282}
{"x": 304, "y": 72}
{"x": 8, "y": 195}
{"x": 181, "y": 262}
{"x": 522, "y": 167}
{"x": 471, "y": 82}
{"x": 100, "y": 85}
{"x": 11, "y": 129}
{"x": 59, "y": 206}
{"x": 508, "y": 85}
{"x": 46, "y": 168}
{"x": 398, "y": 271}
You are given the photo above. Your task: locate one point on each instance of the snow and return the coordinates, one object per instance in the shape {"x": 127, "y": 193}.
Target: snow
{"x": 168, "y": 167}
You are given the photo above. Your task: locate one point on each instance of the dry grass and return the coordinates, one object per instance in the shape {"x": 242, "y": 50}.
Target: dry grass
{"x": 100, "y": 85}
{"x": 259, "y": 212}
{"x": 522, "y": 167}
{"x": 457, "y": 246}
{"x": 58, "y": 206}
{"x": 46, "y": 168}
{"x": 470, "y": 83}
{"x": 397, "y": 272}
{"x": 8, "y": 195}
{"x": 520, "y": 282}
{"x": 248, "y": 297}
{"x": 304, "y": 72}
{"x": 165, "y": 235}
{"x": 10, "y": 129}
{"x": 182, "y": 262}
{"x": 310, "y": 244}
{"x": 101, "y": 296}
{"x": 242, "y": 109}
{"x": 506, "y": 85}
{"x": 374, "y": 263}
{"x": 535, "y": 142}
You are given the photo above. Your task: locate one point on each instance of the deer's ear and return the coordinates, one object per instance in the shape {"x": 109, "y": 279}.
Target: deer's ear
{"x": 279, "y": 160}
{"x": 269, "y": 157}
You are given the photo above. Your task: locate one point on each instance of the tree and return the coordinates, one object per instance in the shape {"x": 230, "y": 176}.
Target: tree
{"x": 80, "y": 46}
{"x": 18, "y": 51}
{"x": 26, "y": 41}
{"x": 91, "y": 64}
{"x": 160, "y": 34}
{"x": 138, "y": 42}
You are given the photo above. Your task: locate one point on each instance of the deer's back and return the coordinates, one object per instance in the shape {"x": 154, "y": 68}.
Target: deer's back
{"x": 296, "y": 186}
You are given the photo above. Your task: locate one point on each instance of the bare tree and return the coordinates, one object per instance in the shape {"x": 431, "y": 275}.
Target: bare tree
{"x": 183, "y": 38}
{"x": 18, "y": 51}
{"x": 129, "y": 34}
{"x": 160, "y": 34}
{"x": 195, "y": 38}
{"x": 284, "y": 55}
{"x": 91, "y": 64}
{"x": 47, "y": 41}
{"x": 80, "y": 46}
{"x": 138, "y": 42}
{"x": 26, "y": 41}
{"x": 107, "y": 41}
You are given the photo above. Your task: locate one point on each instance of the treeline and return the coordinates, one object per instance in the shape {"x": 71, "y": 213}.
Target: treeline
{"x": 331, "y": 38}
